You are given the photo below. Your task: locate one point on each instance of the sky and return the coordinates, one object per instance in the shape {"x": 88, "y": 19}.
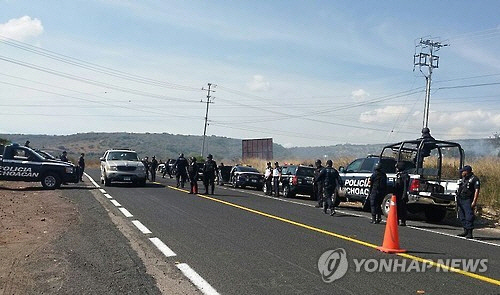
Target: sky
{"x": 305, "y": 73}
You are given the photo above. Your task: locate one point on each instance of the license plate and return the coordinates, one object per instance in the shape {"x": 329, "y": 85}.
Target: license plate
{"x": 126, "y": 178}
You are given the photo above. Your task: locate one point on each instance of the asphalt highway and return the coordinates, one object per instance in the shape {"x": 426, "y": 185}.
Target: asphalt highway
{"x": 243, "y": 242}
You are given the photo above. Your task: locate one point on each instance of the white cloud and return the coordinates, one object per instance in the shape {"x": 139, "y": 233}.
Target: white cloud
{"x": 387, "y": 114}
{"x": 21, "y": 28}
{"x": 359, "y": 94}
{"x": 258, "y": 83}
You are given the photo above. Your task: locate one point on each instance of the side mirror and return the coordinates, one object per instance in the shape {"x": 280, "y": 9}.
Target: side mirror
{"x": 341, "y": 169}
{"x": 102, "y": 159}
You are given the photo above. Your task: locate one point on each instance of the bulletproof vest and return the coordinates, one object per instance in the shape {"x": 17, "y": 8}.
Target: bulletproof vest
{"x": 181, "y": 164}
{"x": 379, "y": 182}
{"x": 466, "y": 189}
{"x": 209, "y": 166}
{"x": 400, "y": 184}
{"x": 330, "y": 177}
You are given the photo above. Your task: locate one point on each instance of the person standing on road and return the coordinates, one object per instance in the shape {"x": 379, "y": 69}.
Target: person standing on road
{"x": 193, "y": 176}
{"x": 81, "y": 166}
{"x": 27, "y": 144}
{"x": 467, "y": 195}
{"x": 330, "y": 180}
{"x": 209, "y": 172}
{"x": 401, "y": 185}
{"x": 276, "y": 179}
{"x": 181, "y": 165}
{"x": 152, "y": 167}
{"x": 220, "y": 180}
{"x": 268, "y": 178}
{"x": 145, "y": 161}
{"x": 378, "y": 189}
{"x": 318, "y": 186}
{"x": 167, "y": 169}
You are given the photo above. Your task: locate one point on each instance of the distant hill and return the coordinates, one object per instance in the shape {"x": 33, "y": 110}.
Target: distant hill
{"x": 165, "y": 145}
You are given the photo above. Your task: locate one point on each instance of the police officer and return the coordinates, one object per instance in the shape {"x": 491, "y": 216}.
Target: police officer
{"x": 167, "y": 169}
{"x": 220, "y": 180}
{"x": 276, "y": 179}
{"x": 193, "y": 176}
{"x": 401, "y": 191}
{"x": 64, "y": 156}
{"x": 330, "y": 179}
{"x": 152, "y": 167}
{"x": 181, "y": 165}
{"x": 318, "y": 186}
{"x": 209, "y": 172}
{"x": 378, "y": 189}
{"x": 27, "y": 143}
{"x": 146, "y": 163}
{"x": 467, "y": 194}
{"x": 81, "y": 166}
{"x": 268, "y": 178}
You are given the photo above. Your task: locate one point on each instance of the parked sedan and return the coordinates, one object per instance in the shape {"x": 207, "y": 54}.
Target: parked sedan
{"x": 243, "y": 176}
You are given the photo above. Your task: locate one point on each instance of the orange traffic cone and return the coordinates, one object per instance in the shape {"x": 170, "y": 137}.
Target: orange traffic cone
{"x": 391, "y": 236}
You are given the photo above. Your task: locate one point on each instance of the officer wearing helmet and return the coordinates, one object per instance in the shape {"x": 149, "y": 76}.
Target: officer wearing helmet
{"x": 378, "y": 189}
{"x": 193, "y": 176}
{"x": 318, "y": 186}
{"x": 181, "y": 166}
{"x": 330, "y": 179}
{"x": 467, "y": 195}
{"x": 401, "y": 185}
{"x": 209, "y": 173}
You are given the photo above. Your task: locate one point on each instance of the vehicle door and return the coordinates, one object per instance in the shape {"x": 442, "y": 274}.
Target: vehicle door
{"x": 355, "y": 177}
{"x": 286, "y": 174}
{"x": 23, "y": 165}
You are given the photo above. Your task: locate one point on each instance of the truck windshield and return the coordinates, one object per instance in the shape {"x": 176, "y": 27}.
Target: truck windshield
{"x": 126, "y": 156}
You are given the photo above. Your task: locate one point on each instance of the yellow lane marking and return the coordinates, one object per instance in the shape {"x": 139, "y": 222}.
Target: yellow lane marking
{"x": 370, "y": 245}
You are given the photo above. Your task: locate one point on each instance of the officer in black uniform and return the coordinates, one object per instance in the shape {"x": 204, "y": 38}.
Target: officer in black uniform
{"x": 152, "y": 168}
{"x": 401, "y": 185}
{"x": 467, "y": 194}
{"x": 318, "y": 186}
{"x": 193, "y": 176}
{"x": 378, "y": 189}
{"x": 81, "y": 166}
{"x": 146, "y": 163}
{"x": 330, "y": 179}
{"x": 209, "y": 172}
{"x": 64, "y": 156}
{"x": 181, "y": 165}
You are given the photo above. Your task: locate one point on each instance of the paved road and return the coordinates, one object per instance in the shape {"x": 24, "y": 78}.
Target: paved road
{"x": 242, "y": 242}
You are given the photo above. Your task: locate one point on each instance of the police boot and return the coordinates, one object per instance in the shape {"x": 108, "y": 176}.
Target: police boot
{"x": 332, "y": 211}
{"x": 378, "y": 219}
{"x": 469, "y": 234}
{"x": 464, "y": 233}
{"x": 374, "y": 219}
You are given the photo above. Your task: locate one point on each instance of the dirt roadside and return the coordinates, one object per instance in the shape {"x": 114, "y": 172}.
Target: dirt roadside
{"x": 65, "y": 242}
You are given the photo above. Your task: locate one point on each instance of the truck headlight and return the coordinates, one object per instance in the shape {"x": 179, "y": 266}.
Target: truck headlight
{"x": 140, "y": 168}
{"x": 69, "y": 170}
{"x": 112, "y": 168}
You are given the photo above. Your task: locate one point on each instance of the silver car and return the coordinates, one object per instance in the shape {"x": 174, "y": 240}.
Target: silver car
{"x": 123, "y": 166}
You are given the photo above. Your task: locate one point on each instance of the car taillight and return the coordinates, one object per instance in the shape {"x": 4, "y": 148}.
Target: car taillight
{"x": 294, "y": 180}
{"x": 415, "y": 185}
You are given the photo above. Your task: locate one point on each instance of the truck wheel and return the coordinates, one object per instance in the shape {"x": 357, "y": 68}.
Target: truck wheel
{"x": 386, "y": 205}
{"x": 433, "y": 214}
{"x": 51, "y": 181}
{"x": 287, "y": 193}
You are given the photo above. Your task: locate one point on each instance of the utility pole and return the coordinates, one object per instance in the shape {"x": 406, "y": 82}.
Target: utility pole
{"x": 426, "y": 58}
{"x": 206, "y": 115}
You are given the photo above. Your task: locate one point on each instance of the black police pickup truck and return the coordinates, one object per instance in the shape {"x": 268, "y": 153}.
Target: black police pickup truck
{"x": 20, "y": 163}
{"x": 433, "y": 180}
{"x": 297, "y": 179}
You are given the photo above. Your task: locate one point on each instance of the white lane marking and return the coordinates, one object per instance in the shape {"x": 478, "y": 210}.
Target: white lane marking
{"x": 196, "y": 279}
{"x": 115, "y": 202}
{"x": 367, "y": 217}
{"x": 125, "y": 212}
{"x": 91, "y": 180}
{"x": 141, "y": 227}
{"x": 102, "y": 190}
{"x": 108, "y": 196}
{"x": 162, "y": 247}
{"x": 453, "y": 236}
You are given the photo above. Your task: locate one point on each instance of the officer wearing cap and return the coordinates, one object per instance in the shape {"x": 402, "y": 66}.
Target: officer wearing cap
{"x": 193, "y": 176}
{"x": 276, "y": 179}
{"x": 467, "y": 195}
{"x": 378, "y": 189}
{"x": 209, "y": 172}
{"x": 268, "y": 177}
